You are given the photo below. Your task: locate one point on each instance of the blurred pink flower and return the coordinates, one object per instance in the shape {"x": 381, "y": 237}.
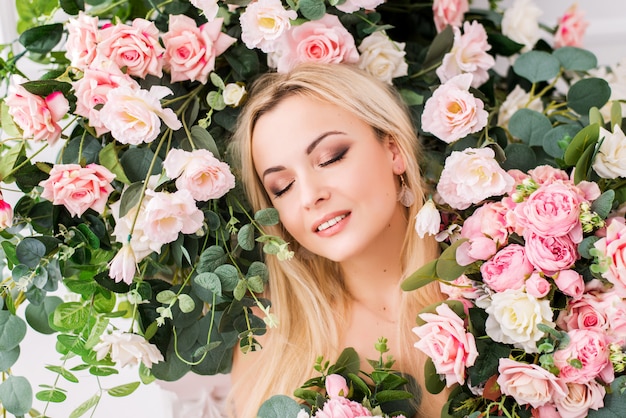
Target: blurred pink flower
{"x": 571, "y": 28}
{"x": 508, "y": 269}
{"x": 124, "y": 265}
{"x": 449, "y": 12}
{"x": 590, "y": 348}
{"x": 613, "y": 248}
{"x": 336, "y": 386}
{"x": 350, "y": 6}
{"x": 581, "y": 397}
{"x": 6, "y": 214}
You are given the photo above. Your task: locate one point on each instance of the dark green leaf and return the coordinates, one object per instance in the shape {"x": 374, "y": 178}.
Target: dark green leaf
{"x": 447, "y": 268}
{"x": 136, "y": 163}
{"x": 30, "y": 251}
{"x": 519, "y": 156}
{"x": 529, "y": 126}
{"x": 267, "y": 216}
{"x": 440, "y": 46}
{"x": 41, "y": 39}
{"x": 434, "y": 384}
{"x": 583, "y": 165}
{"x": 312, "y": 9}
{"x": 244, "y": 61}
{"x": 603, "y": 204}
{"x": 486, "y": 365}
{"x": 130, "y": 198}
{"x": 202, "y": 139}
{"x": 88, "y": 147}
{"x": 553, "y": 138}
{"x": 8, "y": 358}
{"x": 587, "y": 93}
{"x": 211, "y": 258}
{"x": 614, "y": 401}
{"x": 72, "y": 7}
{"x": 537, "y": 66}
{"x": 585, "y": 245}
{"x": 245, "y": 237}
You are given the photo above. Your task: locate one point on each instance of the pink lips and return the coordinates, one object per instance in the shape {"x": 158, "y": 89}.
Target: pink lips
{"x": 331, "y": 224}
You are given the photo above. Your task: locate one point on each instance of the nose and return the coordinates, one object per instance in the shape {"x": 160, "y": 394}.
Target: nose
{"x": 313, "y": 190}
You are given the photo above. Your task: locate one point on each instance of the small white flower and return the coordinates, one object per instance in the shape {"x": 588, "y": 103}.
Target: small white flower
{"x": 283, "y": 252}
{"x": 609, "y": 162}
{"x": 427, "y": 220}
{"x": 520, "y": 23}
{"x": 209, "y": 8}
{"x": 233, "y": 94}
{"x": 127, "y": 348}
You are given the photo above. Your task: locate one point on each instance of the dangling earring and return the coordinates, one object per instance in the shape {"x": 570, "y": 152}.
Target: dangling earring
{"x": 406, "y": 196}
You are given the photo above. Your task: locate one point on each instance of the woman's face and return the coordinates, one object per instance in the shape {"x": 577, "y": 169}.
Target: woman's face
{"x": 333, "y": 182}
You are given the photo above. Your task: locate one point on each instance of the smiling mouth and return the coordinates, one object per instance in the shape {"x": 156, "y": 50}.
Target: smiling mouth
{"x": 330, "y": 223}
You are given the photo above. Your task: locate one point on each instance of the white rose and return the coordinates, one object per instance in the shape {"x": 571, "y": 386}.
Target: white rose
{"x": 209, "y": 8}
{"x": 514, "y": 316}
{"x": 382, "y": 57}
{"x": 609, "y": 162}
{"x": 520, "y": 23}
{"x": 516, "y": 100}
{"x": 127, "y": 348}
{"x": 233, "y": 93}
{"x": 427, "y": 220}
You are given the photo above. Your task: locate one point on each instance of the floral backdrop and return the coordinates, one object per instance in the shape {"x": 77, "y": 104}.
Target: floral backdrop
{"x": 142, "y": 220}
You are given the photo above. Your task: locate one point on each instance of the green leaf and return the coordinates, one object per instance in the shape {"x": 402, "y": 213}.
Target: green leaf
{"x": 347, "y": 362}
{"x": 587, "y": 244}
{"x": 411, "y": 98}
{"x": 70, "y": 316}
{"x": 245, "y": 237}
{"x": 85, "y": 406}
{"x": 217, "y": 81}
{"x": 616, "y": 115}
{"x": 603, "y": 204}
{"x": 66, "y": 374}
{"x": 433, "y": 381}
{"x": 211, "y": 258}
{"x": 137, "y": 161}
{"x": 440, "y": 46}
{"x": 279, "y": 406}
{"x": 51, "y": 395}
{"x": 255, "y": 284}
{"x": 489, "y": 355}
{"x": 240, "y": 290}
{"x": 595, "y": 117}
{"x": 583, "y": 165}
{"x": 537, "y": 66}
{"x": 210, "y": 282}
{"x": 553, "y": 138}
{"x": 529, "y": 126}
{"x": 108, "y": 157}
{"x": 447, "y": 267}
{"x": 166, "y": 297}
{"x": 11, "y": 130}
{"x": 424, "y": 275}
{"x": 215, "y": 100}
{"x": 186, "y": 303}
{"x": 202, "y": 139}
{"x": 586, "y": 137}
{"x": 30, "y": 251}
{"x": 42, "y": 39}
{"x": 229, "y": 276}
{"x": 267, "y": 217}
{"x": 102, "y": 371}
{"x": 12, "y": 330}
{"x": 614, "y": 401}
{"x": 587, "y": 93}
{"x": 38, "y": 316}
{"x": 519, "y": 156}
{"x": 16, "y": 395}
{"x": 312, "y": 9}
{"x": 392, "y": 395}
{"x": 8, "y": 358}
{"x": 576, "y": 59}
{"x": 123, "y": 390}
{"x": 130, "y": 198}
{"x": 72, "y": 7}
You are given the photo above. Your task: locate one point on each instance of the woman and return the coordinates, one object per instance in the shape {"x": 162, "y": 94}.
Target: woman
{"x": 332, "y": 150}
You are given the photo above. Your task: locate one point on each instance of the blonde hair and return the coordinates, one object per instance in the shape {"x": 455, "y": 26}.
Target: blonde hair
{"x": 307, "y": 292}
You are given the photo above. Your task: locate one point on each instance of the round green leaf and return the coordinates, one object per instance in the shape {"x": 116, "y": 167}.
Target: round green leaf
{"x": 587, "y": 93}
{"x": 211, "y": 258}
{"x": 529, "y": 126}
{"x": 267, "y": 216}
{"x": 552, "y": 139}
{"x": 519, "y": 156}
{"x": 8, "y": 358}
{"x": 16, "y": 395}
{"x": 537, "y": 66}
{"x": 37, "y": 315}
{"x": 30, "y": 251}
{"x": 245, "y": 237}
{"x": 312, "y": 9}
{"x": 229, "y": 276}
{"x": 51, "y": 395}
{"x": 208, "y": 281}
{"x": 186, "y": 303}
{"x": 576, "y": 59}
{"x": 12, "y": 330}
{"x": 279, "y": 406}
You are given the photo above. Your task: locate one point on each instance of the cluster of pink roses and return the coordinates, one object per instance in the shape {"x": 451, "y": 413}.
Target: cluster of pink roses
{"x": 525, "y": 246}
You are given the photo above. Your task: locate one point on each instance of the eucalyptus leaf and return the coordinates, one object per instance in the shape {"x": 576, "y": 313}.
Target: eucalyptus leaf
{"x": 245, "y": 237}
{"x": 123, "y": 390}
{"x": 211, "y": 258}
{"x": 553, "y": 139}
{"x": 85, "y": 406}
{"x": 12, "y": 330}
{"x": 587, "y": 93}
{"x": 206, "y": 285}
{"x": 8, "y": 358}
{"x": 529, "y": 126}
{"x": 51, "y": 395}
{"x": 30, "y": 251}
{"x": 16, "y": 395}
{"x": 279, "y": 406}
{"x": 312, "y": 9}
{"x": 519, "y": 156}
{"x": 576, "y": 59}
{"x": 614, "y": 401}
{"x": 603, "y": 204}
{"x": 186, "y": 303}
{"x": 228, "y": 275}
{"x": 267, "y": 217}
{"x": 537, "y": 66}
{"x": 585, "y": 245}
{"x": 202, "y": 139}
{"x": 38, "y": 316}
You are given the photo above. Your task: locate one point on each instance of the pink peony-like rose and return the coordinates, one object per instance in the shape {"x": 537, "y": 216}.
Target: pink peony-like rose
{"x": 92, "y": 90}
{"x": 38, "y": 117}
{"x": 82, "y": 40}
{"x": 341, "y": 407}
{"x": 350, "y": 6}
{"x": 200, "y": 173}
{"x": 545, "y": 174}
{"x": 336, "y": 386}
{"x": 613, "y": 248}
{"x": 529, "y": 383}
{"x": 452, "y": 112}
{"x": 123, "y": 266}
{"x": 449, "y": 12}
{"x": 134, "y": 116}
{"x": 590, "y": 348}
{"x": 78, "y": 188}
{"x": 508, "y": 269}
{"x": 581, "y": 397}
{"x": 135, "y": 47}
{"x": 488, "y": 220}
{"x": 571, "y": 28}
{"x": 168, "y": 214}
{"x": 550, "y": 254}
{"x": 537, "y": 286}
{"x": 468, "y": 55}
{"x": 190, "y": 51}
{"x": 570, "y": 282}
{"x": 264, "y": 22}
{"x": 444, "y": 339}
{"x": 480, "y": 248}
{"x": 324, "y": 40}
{"x": 6, "y": 214}
{"x": 470, "y": 176}
{"x": 553, "y": 210}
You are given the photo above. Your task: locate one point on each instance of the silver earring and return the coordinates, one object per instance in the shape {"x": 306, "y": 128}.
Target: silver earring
{"x": 406, "y": 196}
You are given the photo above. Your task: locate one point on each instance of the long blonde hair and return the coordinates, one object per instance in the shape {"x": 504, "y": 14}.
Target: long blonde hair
{"x": 307, "y": 293}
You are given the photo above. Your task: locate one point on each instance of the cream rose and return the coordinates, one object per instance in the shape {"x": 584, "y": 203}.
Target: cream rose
{"x": 264, "y": 22}
{"x": 520, "y": 22}
{"x": 382, "y": 57}
{"x": 609, "y": 161}
{"x": 529, "y": 383}
{"x": 234, "y": 94}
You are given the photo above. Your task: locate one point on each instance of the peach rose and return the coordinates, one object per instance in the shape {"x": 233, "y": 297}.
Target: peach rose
{"x": 190, "y": 51}
{"x": 37, "y": 117}
{"x": 449, "y": 12}
{"x": 444, "y": 339}
{"x": 452, "y": 112}
{"x": 590, "y": 348}
{"x": 135, "y": 47}
{"x": 571, "y": 28}
{"x": 82, "y": 40}
{"x": 324, "y": 40}
{"x": 529, "y": 383}
{"x": 78, "y": 188}
{"x": 264, "y": 22}
{"x": 581, "y": 397}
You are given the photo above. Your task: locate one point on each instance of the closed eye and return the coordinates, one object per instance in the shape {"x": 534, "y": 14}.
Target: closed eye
{"x": 282, "y": 191}
{"x": 338, "y": 157}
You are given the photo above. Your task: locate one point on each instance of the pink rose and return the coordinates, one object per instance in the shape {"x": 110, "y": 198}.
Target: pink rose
{"x": 571, "y": 28}
{"x": 508, "y": 269}
{"x": 461, "y": 288}
{"x": 529, "y": 383}
{"x": 342, "y": 408}
{"x": 6, "y": 214}
{"x": 444, "y": 339}
{"x": 587, "y": 312}
{"x": 190, "y": 51}
{"x": 537, "y": 285}
{"x": 134, "y": 116}
{"x": 200, "y": 173}
{"x": 82, "y": 40}
{"x": 550, "y": 254}
{"x": 263, "y": 24}
{"x": 468, "y": 55}
{"x": 92, "y": 89}
{"x": 135, "y": 47}
{"x": 480, "y": 248}
{"x": 591, "y": 349}
{"x": 324, "y": 40}
{"x": 449, "y": 12}
{"x": 553, "y": 210}
{"x": 581, "y": 397}
{"x": 545, "y": 174}
{"x": 488, "y": 220}
{"x": 547, "y": 410}
{"x": 353, "y": 5}
{"x": 613, "y": 248}
{"x": 123, "y": 266}
{"x": 336, "y": 386}
{"x": 38, "y": 117}
{"x": 452, "y": 112}
{"x": 570, "y": 282}
{"x": 78, "y": 188}
{"x": 470, "y": 176}
{"x": 168, "y": 214}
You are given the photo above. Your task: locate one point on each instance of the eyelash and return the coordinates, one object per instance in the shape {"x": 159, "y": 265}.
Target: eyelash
{"x": 338, "y": 157}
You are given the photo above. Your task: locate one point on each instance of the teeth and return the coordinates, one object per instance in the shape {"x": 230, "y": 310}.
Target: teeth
{"x": 330, "y": 222}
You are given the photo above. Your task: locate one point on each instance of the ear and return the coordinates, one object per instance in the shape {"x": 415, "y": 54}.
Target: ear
{"x": 397, "y": 159}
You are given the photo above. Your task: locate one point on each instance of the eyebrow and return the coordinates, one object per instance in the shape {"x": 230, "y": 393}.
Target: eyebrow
{"x": 308, "y": 151}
